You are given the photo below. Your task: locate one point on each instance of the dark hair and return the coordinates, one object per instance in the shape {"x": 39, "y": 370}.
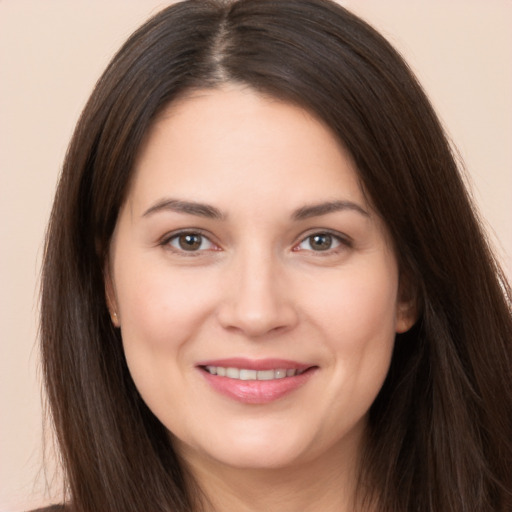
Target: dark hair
{"x": 440, "y": 431}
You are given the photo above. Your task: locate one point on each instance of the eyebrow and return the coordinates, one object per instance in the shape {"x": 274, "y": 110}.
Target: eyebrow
{"x": 211, "y": 212}
{"x": 188, "y": 207}
{"x": 316, "y": 210}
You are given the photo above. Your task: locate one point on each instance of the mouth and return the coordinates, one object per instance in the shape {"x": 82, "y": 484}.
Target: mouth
{"x": 256, "y": 381}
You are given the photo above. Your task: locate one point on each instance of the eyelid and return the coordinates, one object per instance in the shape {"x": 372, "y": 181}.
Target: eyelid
{"x": 168, "y": 237}
{"x": 343, "y": 239}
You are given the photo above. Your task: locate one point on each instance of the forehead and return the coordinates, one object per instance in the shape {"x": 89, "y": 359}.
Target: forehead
{"x": 233, "y": 143}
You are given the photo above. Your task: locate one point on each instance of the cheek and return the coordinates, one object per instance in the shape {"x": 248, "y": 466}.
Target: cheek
{"x": 370, "y": 307}
{"x": 358, "y": 306}
{"x": 357, "y": 317}
{"x": 160, "y": 313}
{"x": 160, "y": 306}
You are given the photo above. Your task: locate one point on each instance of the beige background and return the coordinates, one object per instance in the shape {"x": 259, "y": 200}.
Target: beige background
{"x": 52, "y": 52}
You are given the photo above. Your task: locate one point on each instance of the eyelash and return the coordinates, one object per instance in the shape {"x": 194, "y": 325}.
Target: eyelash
{"x": 342, "y": 242}
{"x": 167, "y": 242}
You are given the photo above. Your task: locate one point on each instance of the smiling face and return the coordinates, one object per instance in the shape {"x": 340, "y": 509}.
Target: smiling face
{"x": 256, "y": 290}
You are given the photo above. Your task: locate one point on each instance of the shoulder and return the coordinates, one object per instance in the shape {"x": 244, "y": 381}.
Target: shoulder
{"x": 53, "y": 508}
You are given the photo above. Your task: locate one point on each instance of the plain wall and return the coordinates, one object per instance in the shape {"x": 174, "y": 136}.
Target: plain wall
{"x": 51, "y": 54}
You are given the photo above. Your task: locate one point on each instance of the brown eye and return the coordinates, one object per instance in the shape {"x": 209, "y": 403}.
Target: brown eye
{"x": 320, "y": 242}
{"x": 190, "y": 242}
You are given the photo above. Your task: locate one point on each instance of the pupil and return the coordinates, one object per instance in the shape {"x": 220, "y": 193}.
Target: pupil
{"x": 321, "y": 242}
{"x": 190, "y": 242}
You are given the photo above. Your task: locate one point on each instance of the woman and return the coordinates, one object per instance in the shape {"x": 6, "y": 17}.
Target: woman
{"x": 265, "y": 287}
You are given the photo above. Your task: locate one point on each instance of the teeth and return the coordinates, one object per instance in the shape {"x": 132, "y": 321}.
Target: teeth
{"x": 266, "y": 375}
{"x": 280, "y": 374}
{"x": 248, "y": 374}
{"x": 244, "y": 374}
{"x": 233, "y": 373}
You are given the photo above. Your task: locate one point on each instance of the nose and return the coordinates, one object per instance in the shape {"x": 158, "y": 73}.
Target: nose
{"x": 257, "y": 299}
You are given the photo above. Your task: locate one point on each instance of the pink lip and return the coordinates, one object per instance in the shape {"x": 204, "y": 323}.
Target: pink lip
{"x": 256, "y": 391}
{"x": 256, "y": 364}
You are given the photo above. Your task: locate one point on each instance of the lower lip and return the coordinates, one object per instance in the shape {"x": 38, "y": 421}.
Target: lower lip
{"x": 257, "y": 391}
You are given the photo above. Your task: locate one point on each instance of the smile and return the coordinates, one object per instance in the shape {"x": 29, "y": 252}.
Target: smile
{"x": 247, "y": 374}
{"x": 256, "y": 381}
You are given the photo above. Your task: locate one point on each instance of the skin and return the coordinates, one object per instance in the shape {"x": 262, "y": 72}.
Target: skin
{"x": 256, "y": 287}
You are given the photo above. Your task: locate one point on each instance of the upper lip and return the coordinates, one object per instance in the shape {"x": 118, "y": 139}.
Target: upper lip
{"x": 256, "y": 364}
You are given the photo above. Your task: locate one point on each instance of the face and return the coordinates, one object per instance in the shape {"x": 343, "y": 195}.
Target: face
{"x": 256, "y": 290}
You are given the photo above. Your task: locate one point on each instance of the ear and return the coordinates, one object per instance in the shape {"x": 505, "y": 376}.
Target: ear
{"x": 407, "y": 310}
{"x": 110, "y": 295}
{"x": 406, "y": 316}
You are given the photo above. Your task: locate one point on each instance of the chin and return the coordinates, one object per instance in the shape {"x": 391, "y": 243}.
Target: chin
{"x": 255, "y": 449}
{"x": 257, "y": 458}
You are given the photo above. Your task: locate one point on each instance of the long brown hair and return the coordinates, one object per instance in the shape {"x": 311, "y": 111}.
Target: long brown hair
{"x": 440, "y": 431}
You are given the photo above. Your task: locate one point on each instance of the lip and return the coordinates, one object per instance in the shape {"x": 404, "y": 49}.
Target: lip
{"x": 256, "y": 391}
{"x": 256, "y": 364}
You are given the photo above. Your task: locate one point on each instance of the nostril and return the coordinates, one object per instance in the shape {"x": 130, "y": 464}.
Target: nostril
{"x": 255, "y": 317}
